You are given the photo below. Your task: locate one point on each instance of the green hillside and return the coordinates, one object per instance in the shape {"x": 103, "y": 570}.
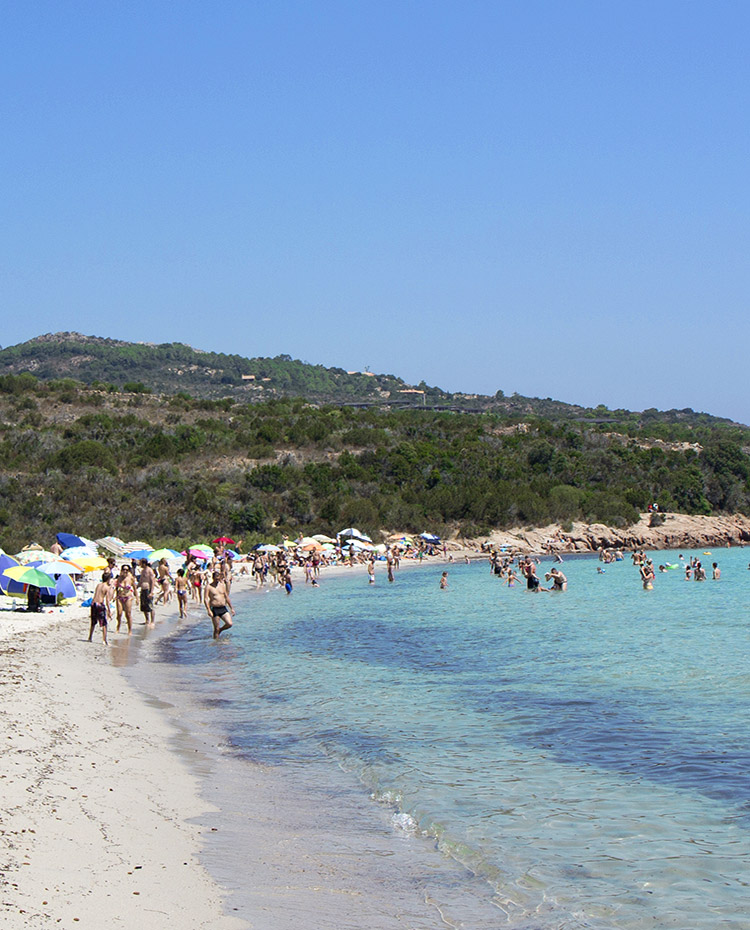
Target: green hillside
{"x": 171, "y": 468}
{"x": 173, "y": 368}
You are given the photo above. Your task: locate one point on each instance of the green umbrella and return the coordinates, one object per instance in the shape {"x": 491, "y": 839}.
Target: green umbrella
{"x": 30, "y": 576}
{"x": 159, "y": 554}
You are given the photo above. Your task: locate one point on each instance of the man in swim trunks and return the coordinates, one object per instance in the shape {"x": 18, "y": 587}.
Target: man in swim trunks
{"x": 559, "y": 581}
{"x": 100, "y": 606}
{"x": 146, "y": 584}
{"x": 218, "y": 604}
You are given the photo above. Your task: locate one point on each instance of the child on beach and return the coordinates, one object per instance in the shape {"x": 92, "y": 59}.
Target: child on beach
{"x": 100, "y": 606}
{"x": 181, "y": 588}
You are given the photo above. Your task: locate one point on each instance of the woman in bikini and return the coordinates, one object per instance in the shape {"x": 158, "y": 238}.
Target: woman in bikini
{"x": 164, "y": 580}
{"x": 125, "y": 597}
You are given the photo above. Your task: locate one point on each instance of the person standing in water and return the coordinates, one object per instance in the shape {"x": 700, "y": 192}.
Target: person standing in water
{"x": 444, "y": 581}
{"x": 559, "y": 581}
{"x": 146, "y": 584}
{"x": 218, "y": 604}
{"x": 181, "y": 587}
{"x": 647, "y": 575}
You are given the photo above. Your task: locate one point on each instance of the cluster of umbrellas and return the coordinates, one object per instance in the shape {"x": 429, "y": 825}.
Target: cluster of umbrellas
{"x": 200, "y": 551}
{"x": 49, "y": 571}
{"x": 52, "y": 572}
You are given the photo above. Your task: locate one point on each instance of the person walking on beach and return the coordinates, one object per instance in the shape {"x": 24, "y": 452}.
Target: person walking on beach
{"x": 101, "y": 606}
{"x": 146, "y": 585}
{"x": 165, "y": 583}
{"x": 181, "y": 588}
{"x": 371, "y": 571}
{"x": 218, "y": 604}
{"x": 125, "y": 597}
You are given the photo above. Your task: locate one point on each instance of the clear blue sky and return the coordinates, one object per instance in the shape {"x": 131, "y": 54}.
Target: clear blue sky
{"x": 543, "y": 197}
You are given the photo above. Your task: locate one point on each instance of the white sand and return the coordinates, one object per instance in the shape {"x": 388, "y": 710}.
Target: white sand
{"x": 93, "y": 827}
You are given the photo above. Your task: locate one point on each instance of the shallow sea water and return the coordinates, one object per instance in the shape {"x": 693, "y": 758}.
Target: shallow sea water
{"x": 579, "y": 760}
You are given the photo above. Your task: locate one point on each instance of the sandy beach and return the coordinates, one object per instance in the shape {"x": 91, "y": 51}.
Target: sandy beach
{"x": 104, "y": 819}
{"x": 96, "y": 808}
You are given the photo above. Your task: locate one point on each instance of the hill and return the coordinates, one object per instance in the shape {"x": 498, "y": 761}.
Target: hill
{"x": 172, "y": 368}
{"x": 171, "y": 468}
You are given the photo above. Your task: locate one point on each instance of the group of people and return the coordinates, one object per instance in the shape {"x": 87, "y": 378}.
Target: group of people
{"x": 504, "y": 567}
{"x": 137, "y": 582}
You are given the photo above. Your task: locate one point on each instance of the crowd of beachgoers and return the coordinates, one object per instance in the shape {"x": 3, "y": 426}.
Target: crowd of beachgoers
{"x": 116, "y": 579}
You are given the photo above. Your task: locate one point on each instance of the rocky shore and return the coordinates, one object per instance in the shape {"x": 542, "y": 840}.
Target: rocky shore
{"x": 652, "y": 531}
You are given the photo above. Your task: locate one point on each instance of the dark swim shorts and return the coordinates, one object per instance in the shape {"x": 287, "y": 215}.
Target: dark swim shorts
{"x": 99, "y": 614}
{"x": 219, "y": 610}
{"x": 147, "y": 601}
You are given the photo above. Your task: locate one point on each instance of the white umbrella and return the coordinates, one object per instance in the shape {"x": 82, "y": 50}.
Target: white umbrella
{"x": 34, "y": 555}
{"x": 59, "y": 567}
{"x": 79, "y": 552}
{"x": 354, "y": 533}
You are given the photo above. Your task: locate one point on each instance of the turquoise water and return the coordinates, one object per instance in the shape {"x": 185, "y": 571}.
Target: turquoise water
{"x": 586, "y": 755}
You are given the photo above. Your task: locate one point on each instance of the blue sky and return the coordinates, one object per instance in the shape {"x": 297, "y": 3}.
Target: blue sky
{"x": 543, "y": 197}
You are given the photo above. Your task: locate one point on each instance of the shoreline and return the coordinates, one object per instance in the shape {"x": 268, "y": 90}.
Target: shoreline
{"x": 102, "y": 807}
{"x": 104, "y": 818}
{"x": 97, "y": 826}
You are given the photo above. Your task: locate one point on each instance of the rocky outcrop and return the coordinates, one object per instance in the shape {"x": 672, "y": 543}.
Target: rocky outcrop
{"x": 669, "y": 531}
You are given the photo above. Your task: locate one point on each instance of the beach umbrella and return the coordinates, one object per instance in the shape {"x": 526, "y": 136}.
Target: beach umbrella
{"x": 27, "y": 575}
{"x": 429, "y": 537}
{"x": 6, "y": 561}
{"x": 267, "y": 547}
{"x": 354, "y": 533}
{"x": 359, "y": 546}
{"x": 59, "y": 567}
{"x": 158, "y": 554}
{"x": 69, "y": 541}
{"x": 63, "y": 585}
{"x": 80, "y": 552}
{"x": 138, "y": 544}
{"x": 94, "y": 563}
{"x": 224, "y": 540}
{"x": 112, "y": 544}
{"x": 232, "y": 554}
{"x": 201, "y": 551}
{"x": 138, "y": 554}
{"x": 322, "y": 538}
{"x": 35, "y": 555}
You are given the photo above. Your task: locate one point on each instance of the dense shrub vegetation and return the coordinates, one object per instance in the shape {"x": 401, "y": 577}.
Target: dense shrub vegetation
{"x": 172, "y": 469}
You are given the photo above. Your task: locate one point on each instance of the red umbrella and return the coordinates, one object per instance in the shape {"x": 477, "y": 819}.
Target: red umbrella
{"x": 224, "y": 539}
